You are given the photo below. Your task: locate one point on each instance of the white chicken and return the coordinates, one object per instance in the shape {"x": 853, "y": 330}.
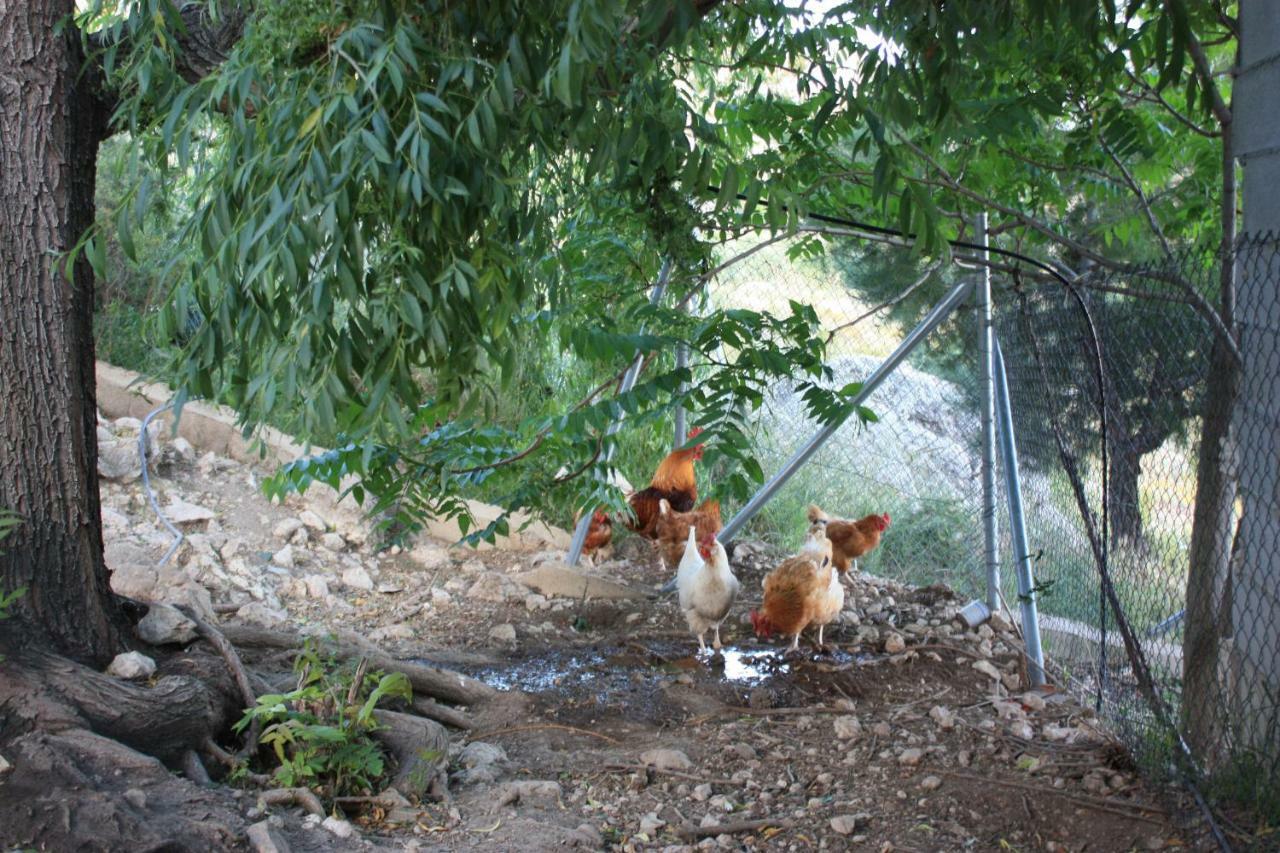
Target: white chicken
{"x": 707, "y": 586}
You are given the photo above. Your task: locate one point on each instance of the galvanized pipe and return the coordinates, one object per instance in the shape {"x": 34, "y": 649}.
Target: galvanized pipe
{"x": 935, "y": 317}
{"x": 1018, "y": 525}
{"x": 990, "y": 533}
{"x": 628, "y": 382}
{"x": 681, "y": 431}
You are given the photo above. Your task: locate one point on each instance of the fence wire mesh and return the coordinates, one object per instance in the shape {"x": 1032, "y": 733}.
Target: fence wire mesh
{"x": 1132, "y": 529}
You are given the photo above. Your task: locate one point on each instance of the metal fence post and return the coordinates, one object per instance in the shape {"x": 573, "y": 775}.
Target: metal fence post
{"x": 939, "y": 313}
{"x": 991, "y": 546}
{"x": 681, "y": 431}
{"x": 628, "y": 382}
{"x": 1017, "y": 524}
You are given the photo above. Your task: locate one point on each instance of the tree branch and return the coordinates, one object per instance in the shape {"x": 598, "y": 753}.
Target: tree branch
{"x": 928, "y": 273}
{"x": 1143, "y": 201}
{"x": 1221, "y": 111}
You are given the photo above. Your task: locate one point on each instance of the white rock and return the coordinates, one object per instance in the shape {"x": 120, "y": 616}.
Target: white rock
{"x": 847, "y": 728}
{"x": 286, "y": 528}
{"x": 182, "y": 449}
{"x": 164, "y": 624}
{"x": 263, "y": 838}
{"x": 284, "y": 557}
{"x": 536, "y": 601}
{"x": 340, "y": 828}
{"x": 491, "y": 586}
{"x": 998, "y": 622}
{"x": 182, "y": 512}
{"x": 894, "y": 644}
{"x": 398, "y": 631}
{"x": 440, "y": 596}
{"x": 114, "y": 522}
{"x": 986, "y": 668}
{"x": 5, "y": 766}
{"x": 910, "y": 757}
{"x": 943, "y": 717}
{"x": 1008, "y": 710}
{"x": 358, "y": 578}
{"x": 666, "y": 759}
{"x": 260, "y": 613}
{"x": 702, "y": 792}
{"x": 133, "y": 580}
{"x": 505, "y": 633}
{"x": 848, "y": 823}
{"x": 429, "y": 556}
{"x": 650, "y": 824}
{"x": 333, "y": 541}
{"x": 132, "y": 665}
{"x": 300, "y": 537}
{"x": 1032, "y": 701}
{"x": 1023, "y": 730}
{"x": 313, "y": 521}
{"x": 931, "y": 783}
{"x": 481, "y": 754}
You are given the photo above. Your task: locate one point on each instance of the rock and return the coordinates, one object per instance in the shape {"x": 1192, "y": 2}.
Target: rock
{"x": 163, "y": 625}
{"x": 286, "y": 528}
{"x": 333, "y": 542}
{"x": 491, "y": 586}
{"x": 910, "y": 757}
{"x": 132, "y": 666}
{"x": 136, "y": 797}
{"x": 1023, "y": 730}
{"x": 527, "y": 791}
{"x": 5, "y": 766}
{"x": 429, "y": 556}
{"x": 181, "y": 512}
{"x": 504, "y": 633}
{"x": 881, "y": 730}
{"x": 260, "y": 613}
{"x": 745, "y": 751}
{"x": 340, "y": 828}
{"x": 317, "y": 586}
{"x": 931, "y": 783}
{"x": 313, "y": 521}
{"x": 849, "y": 823}
{"x": 894, "y": 644}
{"x": 398, "y": 631}
{"x": 263, "y": 838}
{"x": 1032, "y": 701}
{"x": 998, "y": 622}
{"x": 945, "y": 719}
{"x": 440, "y": 597}
{"x": 182, "y": 450}
{"x": 284, "y": 557}
{"x": 650, "y": 824}
{"x": 389, "y": 587}
{"x": 702, "y": 792}
{"x": 561, "y": 581}
{"x": 1008, "y": 710}
{"x": 358, "y": 578}
{"x": 535, "y": 601}
{"x": 847, "y": 728}
{"x": 192, "y": 596}
{"x": 115, "y": 522}
{"x": 481, "y": 754}
{"x": 134, "y": 580}
{"x": 666, "y": 759}
{"x": 118, "y": 461}
{"x": 986, "y": 667}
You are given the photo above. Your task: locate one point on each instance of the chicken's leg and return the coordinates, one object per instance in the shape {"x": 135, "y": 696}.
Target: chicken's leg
{"x": 795, "y": 643}
{"x": 702, "y": 644}
{"x": 716, "y": 644}
{"x": 820, "y": 627}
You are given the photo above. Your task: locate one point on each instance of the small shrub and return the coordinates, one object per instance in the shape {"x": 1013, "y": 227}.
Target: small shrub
{"x": 320, "y": 733}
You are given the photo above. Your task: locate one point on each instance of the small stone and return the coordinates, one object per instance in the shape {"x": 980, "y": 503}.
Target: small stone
{"x": 491, "y": 586}
{"x": 894, "y": 644}
{"x": 943, "y": 717}
{"x": 536, "y": 601}
{"x": 440, "y": 596}
{"x": 284, "y": 557}
{"x": 666, "y": 759}
{"x": 702, "y": 792}
{"x": 182, "y": 512}
{"x": 481, "y": 754}
{"x": 5, "y": 766}
{"x": 881, "y": 730}
{"x": 910, "y": 757}
{"x": 650, "y": 824}
{"x": 504, "y": 633}
{"x": 286, "y": 528}
{"x": 333, "y": 542}
{"x": 317, "y": 586}
{"x": 183, "y": 450}
{"x": 999, "y": 622}
{"x": 163, "y": 625}
{"x": 340, "y": 828}
{"x": 931, "y": 783}
{"x": 1032, "y": 701}
{"x": 847, "y": 728}
{"x": 1008, "y": 710}
{"x": 1022, "y": 729}
{"x": 118, "y": 461}
{"x": 399, "y": 631}
{"x": 986, "y": 668}
{"x": 263, "y": 838}
{"x": 358, "y": 578}
{"x": 313, "y": 521}
{"x": 261, "y": 613}
{"x": 136, "y": 797}
{"x": 132, "y": 666}
{"x": 849, "y": 823}
{"x": 745, "y": 751}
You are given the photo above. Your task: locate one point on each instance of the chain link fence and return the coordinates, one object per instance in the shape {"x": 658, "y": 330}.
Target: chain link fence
{"x": 1166, "y": 622}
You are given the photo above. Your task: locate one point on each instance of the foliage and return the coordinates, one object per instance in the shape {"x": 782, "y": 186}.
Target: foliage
{"x": 319, "y": 733}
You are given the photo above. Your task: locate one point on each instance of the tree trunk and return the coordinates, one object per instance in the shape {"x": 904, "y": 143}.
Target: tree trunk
{"x": 1125, "y": 462}
{"x": 51, "y": 124}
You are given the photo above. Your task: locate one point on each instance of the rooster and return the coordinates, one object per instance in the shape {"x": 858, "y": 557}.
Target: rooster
{"x": 850, "y": 539}
{"x": 674, "y": 481}
{"x": 670, "y": 526}
{"x": 804, "y": 590}
{"x": 599, "y": 534}
{"x": 707, "y": 586}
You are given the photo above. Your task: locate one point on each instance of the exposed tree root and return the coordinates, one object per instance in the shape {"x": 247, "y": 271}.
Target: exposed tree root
{"x": 293, "y": 797}
{"x": 238, "y": 673}
{"x": 437, "y": 683}
{"x": 421, "y": 750}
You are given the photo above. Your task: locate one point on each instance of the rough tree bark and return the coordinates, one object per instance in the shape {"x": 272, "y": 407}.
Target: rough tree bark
{"x": 51, "y": 124}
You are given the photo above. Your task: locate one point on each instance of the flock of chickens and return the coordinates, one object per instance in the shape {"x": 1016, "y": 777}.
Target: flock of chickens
{"x": 802, "y": 591}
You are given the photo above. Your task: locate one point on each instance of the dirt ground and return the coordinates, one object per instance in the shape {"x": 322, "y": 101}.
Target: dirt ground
{"x": 912, "y": 733}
